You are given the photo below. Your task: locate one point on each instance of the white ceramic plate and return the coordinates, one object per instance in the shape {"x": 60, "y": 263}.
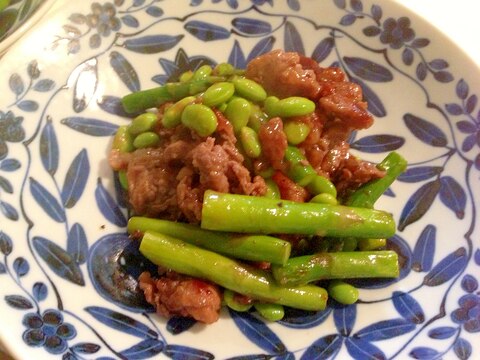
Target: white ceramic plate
{"x": 62, "y": 242}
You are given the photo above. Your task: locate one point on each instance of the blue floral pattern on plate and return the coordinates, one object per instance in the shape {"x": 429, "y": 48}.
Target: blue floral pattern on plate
{"x": 69, "y": 270}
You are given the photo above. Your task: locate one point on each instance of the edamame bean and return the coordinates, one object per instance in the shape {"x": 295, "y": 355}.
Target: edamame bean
{"x": 222, "y": 107}
{"x": 299, "y": 170}
{"x": 349, "y": 244}
{"x": 269, "y": 105}
{"x": 273, "y": 191}
{"x": 238, "y": 113}
{"x": 342, "y": 292}
{"x": 249, "y": 89}
{"x": 296, "y": 131}
{"x": 186, "y": 76}
{"x": 257, "y": 118}
{"x": 321, "y": 184}
{"x": 271, "y": 312}
{"x": 371, "y": 244}
{"x": 200, "y": 118}
{"x": 324, "y": 198}
{"x": 146, "y": 139}
{"x": 122, "y": 179}
{"x": 123, "y": 140}
{"x": 292, "y": 106}
{"x": 173, "y": 115}
{"x": 232, "y": 303}
{"x": 250, "y": 142}
{"x": 202, "y": 72}
{"x": 218, "y": 93}
{"x": 142, "y": 123}
{"x": 224, "y": 69}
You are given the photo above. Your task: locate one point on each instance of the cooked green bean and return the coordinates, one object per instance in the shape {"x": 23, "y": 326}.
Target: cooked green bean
{"x": 238, "y": 112}
{"x": 296, "y": 131}
{"x": 269, "y": 311}
{"x": 250, "y": 142}
{"x": 186, "y": 76}
{"x": 342, "y": 292}
{"x": 246, "y": 247}
{"x": 324, "y": 198}
{"x": 272, "y": 189}
{"x": 229, "y": 297}
{"x": 218, "y": 93}
{"x": 146, "y": 139}
{"x": 255, "y": 214}
{"x": 199, "y": 118}
{"x": 299, "y": 170}
{"x": 371, "y": 244}
{"x": 123, "y": 140}
{"x": 191, "y": 260}
{"x": 291, "y": 106}
{"x": 249, "y": 89}
{"x": 142, "y": 123}
{"x": 202, "y": 72}
{"x": 337, "y": 265}
{"x": 173, "y": 115}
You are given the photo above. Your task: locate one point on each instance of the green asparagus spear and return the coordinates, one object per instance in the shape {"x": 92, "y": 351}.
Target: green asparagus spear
{"x": 248, "y": 247}
{"x": 191, "y": 260}
{"x": 339, "y": 265}
{"x": 252, "y": 214}
{"x": 366, "y": 196}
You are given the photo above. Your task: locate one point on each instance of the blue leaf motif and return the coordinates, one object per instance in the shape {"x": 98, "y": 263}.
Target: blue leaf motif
{"x": 344, "y": 318}
{"x": 16, "y": 84}
{"x": 85, "y": 348}
{"x": 419, "y": 173}
{"x": 77, "y": 245}
{"x": 461, "y": 89}
{"x": 28, "y": 105}
{"x": 8, "y": 211}
{"x": 152, "y": 44}
{"x": 293, "y": 40}
{"x": 476, "y": 257}
{"x": 18, "y": 302}
{"x": 422, "y": 353}
{"x": 121, "y": 322}
{"x": 293, "y": 4}
{"x": 113, "y": 105}
{"x": 323, "y": 49}
{"x": 58, "y": 260}
{"x": 10, "y": 165}
{"x": 47, "y": 201}
{"x": 447, "y": 268}
{"x": 376, "y": 12}
{"x": 454, "y": 109}
{"x": 125, "y": 71}
{"x": 408, "y": 307}
{"x": 6, "y": 185}
{"x": 186, "y": 353}
{"x": 368, "y": 70}
{"x": 154, "y": 11}
{"x": 6, "y": 245}
{"x": 385, "y": 329}
{"x": 108, "y": 206}
{"x": 462, "y": 348}
{"x": 356, "y": 5}
{"x": 425, "y": 131}
{"x": 144, "y": 349}
{"x": 348, "y": 19}
{"x": 363, "y": 350}
{"x": 49, "y": 152}
{"x": 341, "y": 4}
{"x": 21, "y": 266}
{"x": 324, "y": 348}
{"x": 40, "y": 291}
{"x": 130, "y": 21}
{"x": 374, "y": 144}
{"x": 89, "y": 126}
{"x": 469, "y": 283}
{"x": 424, "y": 249}
{"x": 419, "y": 203}
{"x": 375, "y": 104}
{"x": 262, "y": 47}
{"x": 237, "y": 58}
{"x": 178, "y": 324}
{"x": 442, "y": 332}
{"x": 257, "y": 332}
{"x": 3, "y": 269}
{"x": 453, "y": 195}
{"x": 302, "y": 319}
{"x": 75, "y": 179}
{"x": 206, "y": 31}
{"x": 44, "y": 85}
{"x": 251, "y": 26}
{"x": 232, "y": 3}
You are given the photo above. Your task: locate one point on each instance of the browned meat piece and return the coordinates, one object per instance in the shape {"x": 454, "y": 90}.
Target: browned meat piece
{"x": 289, "y": 190}
{"x": 274, "y": 141}
{"x": 175, "y": 294}
{"x": 282, "y": 74}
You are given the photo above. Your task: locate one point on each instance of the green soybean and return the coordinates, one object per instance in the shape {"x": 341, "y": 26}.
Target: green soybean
{"x": 249, "y": 89}
{"x": 324, "y": 198}
{"x": 250, "y": 142}
{"x": 186, "y": 76}
{"x": 342, "y": 292}
{"x": 224, "y": 69}
{"x": 270, "y": 105}
{"x": 229, "y": 297}
{"x": 218, "y": 93}
{"x": 299, "y": 170}
{"x": 238, "y": 112}
{"x": 257, "y": 118}
{"x": 269, "y": 311}
{"x": 292, "y": 106}
{"x": 200, "y": 118}
{"x": 123, "y": 140}
{"x": 320, "y": 184}
{"x": 296, "y": 131}
{"x": 371, "y": 244}
{"x": 173, "y": 115}
{"x": 146, "y": 139}
{"x": 202, "y": 72}
{"x": 273, "y": 192}
{"x": 142, "y": 123}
